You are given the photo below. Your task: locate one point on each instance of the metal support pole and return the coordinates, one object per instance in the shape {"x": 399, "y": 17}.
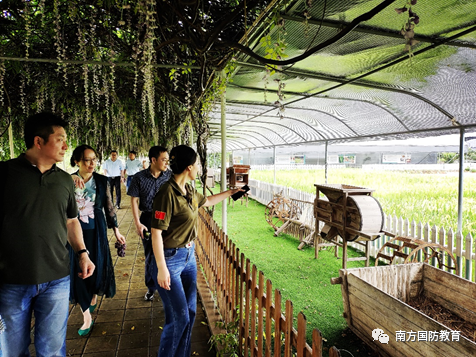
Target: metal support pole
{"x": 460, "y": 180}
{"x": 274, "y": 162}
{"x": 223, "y": 155}
{"x": 325, "y": 160}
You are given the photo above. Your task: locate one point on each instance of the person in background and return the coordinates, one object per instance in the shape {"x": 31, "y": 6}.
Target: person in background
{"x": 133, "y": 166}
{"x": 143, "y": 188}
{"x": 96, "y": 214}
{"x": 174, "y": 230}
{"x": 114, "y": 169}
{"x": 38, "y": 217}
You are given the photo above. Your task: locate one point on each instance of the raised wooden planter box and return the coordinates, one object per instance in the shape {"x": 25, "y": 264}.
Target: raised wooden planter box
{"x": 375, "y": 297}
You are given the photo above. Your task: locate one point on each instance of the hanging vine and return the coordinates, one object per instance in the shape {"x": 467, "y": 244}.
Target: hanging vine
{"x": 408, "y": 28}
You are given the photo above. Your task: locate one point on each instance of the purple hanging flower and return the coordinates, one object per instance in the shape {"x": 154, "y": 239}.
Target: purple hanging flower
{"x": 413, "y": 2}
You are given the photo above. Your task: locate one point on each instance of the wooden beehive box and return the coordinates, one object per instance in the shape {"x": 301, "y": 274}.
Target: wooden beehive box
{"x": 237, "y": 175}
{"x": 375, "y": 297}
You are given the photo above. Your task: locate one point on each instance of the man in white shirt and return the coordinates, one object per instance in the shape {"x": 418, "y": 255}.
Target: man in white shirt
{"x": 114, "y": 169}
{"x": 133, "y": 166}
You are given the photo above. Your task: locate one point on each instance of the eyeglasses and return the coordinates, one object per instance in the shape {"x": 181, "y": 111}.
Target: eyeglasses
{"x": 88, "y": 161}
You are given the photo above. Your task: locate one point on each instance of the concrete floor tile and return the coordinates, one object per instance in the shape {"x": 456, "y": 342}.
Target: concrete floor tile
{"x": 106, "y": 343}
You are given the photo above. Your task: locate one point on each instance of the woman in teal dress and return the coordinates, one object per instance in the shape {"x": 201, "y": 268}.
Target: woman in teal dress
{"x": 96, "y": 214}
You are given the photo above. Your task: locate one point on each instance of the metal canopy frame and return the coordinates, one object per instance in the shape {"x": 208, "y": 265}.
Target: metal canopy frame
{"x": 363, "y": 86}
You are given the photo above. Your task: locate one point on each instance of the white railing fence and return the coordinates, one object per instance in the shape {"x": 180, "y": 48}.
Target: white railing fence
{"x": 461, "y": 247}
{"x": 384, "y": 167}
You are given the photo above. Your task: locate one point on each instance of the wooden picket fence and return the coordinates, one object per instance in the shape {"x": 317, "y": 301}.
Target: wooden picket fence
{"x": 243, "y": 294}
{"x": 462, "y": 247}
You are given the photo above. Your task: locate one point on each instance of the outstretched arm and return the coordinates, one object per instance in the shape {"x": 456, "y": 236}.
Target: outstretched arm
{"x": 213, "y": 200}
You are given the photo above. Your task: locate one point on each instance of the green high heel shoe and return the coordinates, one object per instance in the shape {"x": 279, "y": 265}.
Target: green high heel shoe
{"x": 86, "y": 331}
{"x": 92, "y": 308}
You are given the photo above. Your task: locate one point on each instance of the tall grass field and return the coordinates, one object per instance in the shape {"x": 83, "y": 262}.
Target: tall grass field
{"x": 423, "y": 197}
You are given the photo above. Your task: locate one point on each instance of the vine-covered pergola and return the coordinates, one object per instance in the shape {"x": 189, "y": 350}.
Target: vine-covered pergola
{"x": 126, "y": 73}
{"x": 131, "y": 73}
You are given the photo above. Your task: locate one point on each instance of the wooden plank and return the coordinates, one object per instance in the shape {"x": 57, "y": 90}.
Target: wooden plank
{"x": 450, "y": 293}
{"x": 301, "y": 335}
{"x": 361, "y": 329}
{"x": 334, "y": 352}
{"x": 394, "y": 315}
{"x": 277, "y": 320}
{"x": 345, "y": 295}
{"x": 234, "y": 282}
{"x": 399, "y": 281}
{"x": 260, "y": 313}
{"x": 247, "y": 307}
{"x": 241, "y": 305}
{"x": 269, "y": 292}
{"x": 212, "y": 314}
{"x": 316, "y": 343}
{"x": 253, "y": 310}
{"x": 456, "y": 283}
{"x": 288, "y": 329}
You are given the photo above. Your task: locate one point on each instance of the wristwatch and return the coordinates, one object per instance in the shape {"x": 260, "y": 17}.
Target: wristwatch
{"x": 78, "y": 254}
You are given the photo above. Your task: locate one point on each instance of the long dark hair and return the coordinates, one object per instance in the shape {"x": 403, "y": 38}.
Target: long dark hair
{"x": 78, "y": 154}
{"x": 181, "y": 157}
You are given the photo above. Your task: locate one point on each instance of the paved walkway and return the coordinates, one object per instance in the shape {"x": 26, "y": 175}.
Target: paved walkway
{"x": 126, "y": 325}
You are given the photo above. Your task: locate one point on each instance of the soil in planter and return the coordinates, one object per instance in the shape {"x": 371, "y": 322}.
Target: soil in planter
{"x": 444, "y": 316}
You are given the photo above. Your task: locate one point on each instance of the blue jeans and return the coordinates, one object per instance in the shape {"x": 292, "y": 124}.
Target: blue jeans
{"x": 180, "y": 302}
{"x": 50, "y": 303}
{"x": 128, "y": 182}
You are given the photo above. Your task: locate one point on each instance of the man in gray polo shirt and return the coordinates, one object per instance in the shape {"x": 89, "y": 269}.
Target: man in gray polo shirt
{"x": 38, "y": 217}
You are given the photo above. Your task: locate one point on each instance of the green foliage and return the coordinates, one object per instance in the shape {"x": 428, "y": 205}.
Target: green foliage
{"x": 453, "y": 157}
{"x": 226, "y": 343}
{"x": 448, "y": 157}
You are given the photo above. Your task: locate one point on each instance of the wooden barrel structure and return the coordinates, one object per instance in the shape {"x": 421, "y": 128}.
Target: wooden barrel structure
{"x": 349, "y": 212}
{"x": 363, "y": 213}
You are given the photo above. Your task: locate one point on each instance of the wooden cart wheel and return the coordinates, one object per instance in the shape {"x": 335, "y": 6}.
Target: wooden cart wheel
{"x": 430, "y": 251}
{"x": 407, "y": 248}
{"x": 280, "y": 210}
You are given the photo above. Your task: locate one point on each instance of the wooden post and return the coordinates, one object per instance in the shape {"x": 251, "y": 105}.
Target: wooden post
{"x": 10, "y": 139}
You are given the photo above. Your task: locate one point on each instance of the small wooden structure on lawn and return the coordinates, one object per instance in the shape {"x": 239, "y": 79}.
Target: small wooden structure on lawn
{"x": 348, "y": 212}
{"x": 280, "y": 212}
{"x": 378, "y": 297}
{"x": 238, "y": 176}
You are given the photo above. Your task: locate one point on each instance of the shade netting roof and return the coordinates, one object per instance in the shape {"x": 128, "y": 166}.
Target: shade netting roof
{"x": 364, "y": 85}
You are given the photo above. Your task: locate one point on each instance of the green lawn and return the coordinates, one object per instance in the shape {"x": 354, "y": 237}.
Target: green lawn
{"x": 300, "y": 278}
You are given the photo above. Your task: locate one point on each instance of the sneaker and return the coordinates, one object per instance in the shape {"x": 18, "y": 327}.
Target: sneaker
{"x": 149, "y": 296}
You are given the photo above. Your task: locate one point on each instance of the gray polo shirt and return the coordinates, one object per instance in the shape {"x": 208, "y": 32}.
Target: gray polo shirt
{"x": 33, "y": 231}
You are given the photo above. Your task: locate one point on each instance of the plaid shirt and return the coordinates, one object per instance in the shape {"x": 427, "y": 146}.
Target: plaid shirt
{"x": 145, "y": 186}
